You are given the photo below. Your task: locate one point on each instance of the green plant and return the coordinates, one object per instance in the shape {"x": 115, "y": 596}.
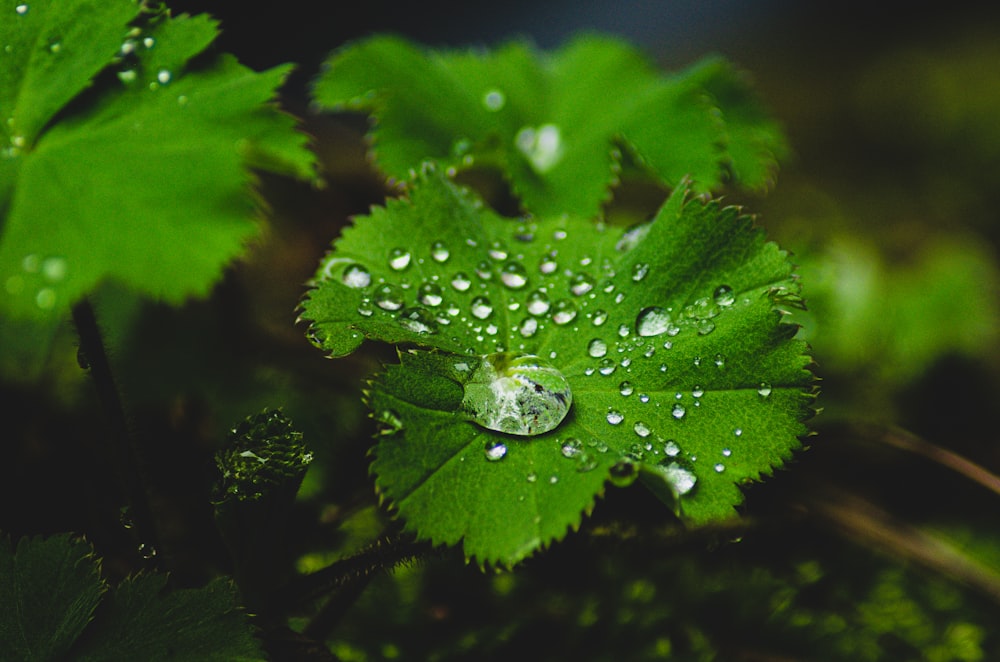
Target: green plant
{"x": 526, "y": 345}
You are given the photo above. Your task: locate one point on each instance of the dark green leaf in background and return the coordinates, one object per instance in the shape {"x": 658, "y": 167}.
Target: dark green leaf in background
{"x": 555, "y": 124}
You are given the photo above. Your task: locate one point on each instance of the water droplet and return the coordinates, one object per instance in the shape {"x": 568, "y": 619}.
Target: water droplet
{"x": 484, "y": 270}
{"x": 54, "y": 268}
{"x": 429, "y": 294}
{"x": 681, "y": 479}
{"x": 497, "y": 251}
{"x": 581, "y": 283}
{"x": 597, "y": 348}
{"x": 399, "y": 259}
{"x": 528, "y": 327}
{"x": 641, "y": 429}
{"x": 163, "y": 76}
{"x": 724, "y": 296}
{"x": 639, "y": 271}
{"x": 46, "y": 298}
{"x": 548, "y": 266}
{"x": 55, "y": 47}
{"x": 516, "y": 394}
{"x": 719, "y": 468}
{"x": 571, "y": 448}
{"x": 127, "y": 76}
{"x": 586, "y": 462}
{"x": 652, "y": 321}
{"x": 495, "y": 450}
{"x": 542, "y": 146}
{"x": 538, "y": 303}
{"x": 388, "y": 297}
{"x": 417, "y": 320}
{"x": 439, "y": 252}
{"x": 607, "y": 367}
{"x": 726, "y": 452}
{"x": 671, "y": 449}
{"x": 494, "y": 100}
{"x": 697, "y": 391}
{"x": 764, "y": 390}
{"x": 481, "y": 308}
{"x": 600, "y": 317}
{"x": 356, "y": 276}
{"x": 514, "y": 275}
{"x": 705, "y": 327}
{"x": 623, "y": 331}
{"x": 678, "y": 411}
{"x": 461, "y": 282}
{"x": 531, "y": 477}
{"x": 738, "y": 432}
{"x": 632, "y": 237}
{"x": 365, "y": 308}
{"x": 626, "y": 388}
{"x": 643, "y": 398}
{"x": 21, "y": 9}
{"x": 147, "y": 551}
{"x": 615, "y": 417}
{"x": 553, "y": 479}
{"x": 564, "y": 312}
{"x": 720, "y": 361}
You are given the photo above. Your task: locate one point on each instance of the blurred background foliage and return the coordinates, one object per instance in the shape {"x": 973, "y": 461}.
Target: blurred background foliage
{"x": 875, "y": 544}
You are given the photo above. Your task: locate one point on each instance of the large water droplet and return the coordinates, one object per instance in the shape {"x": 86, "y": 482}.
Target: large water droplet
{"x": 615, "y": 417}
{"x": 356, "y": 275}
{"x": 641, "y": 429}
{"x": 516, "y": 394}
{"x": 597, "y": 348}
{"x": 678, "y": 411}
{"x": 724, "y": 296}
{"x": 681, "y": 479}
{"x": 764, "y": 390}
{"x": 399, "y": 259}
{"x": 626, "y": 388}
{"x": 607, "y": 366}
{"x": 461, "y": 282}
{"x": 652, "y": 321}
{"x": 528, "y": 327}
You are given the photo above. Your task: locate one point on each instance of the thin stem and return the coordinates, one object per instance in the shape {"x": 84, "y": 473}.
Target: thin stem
{"x": 122, "y": 449}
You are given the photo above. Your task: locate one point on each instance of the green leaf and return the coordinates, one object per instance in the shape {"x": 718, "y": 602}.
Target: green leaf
{"x": 142, "y": 623}
{"x": 706, "y": 394}
{"x": 51, "y": 590}
{"x": 145, "y": 178}
{"x": 554, "y": 123}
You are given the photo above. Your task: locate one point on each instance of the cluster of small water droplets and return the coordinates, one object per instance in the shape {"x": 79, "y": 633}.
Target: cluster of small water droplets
{"x": 40, "y": 276}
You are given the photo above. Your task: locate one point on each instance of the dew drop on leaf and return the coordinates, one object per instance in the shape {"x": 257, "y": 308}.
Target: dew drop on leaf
{"x": 517, "y": 394}
{"x": 607, "y": 367}
{"x": 548, "y": 265}
{"x": 671, "y": 449}
{"x": 724, "y": 296}
{"x": 514, "y": 275}
{"x": 399, "y": 259}
{"x": 356, "y": 276}
{"x": 430, "y": 294}
{"x": 494, "y": 100}
{"x": 764, "y": 390}
{"x": 600, "y": 317}
{"x": 571, "y": 448}
{"x": 624, "y": 472}
{"x": 461, "y": 282}
{"x": 581, "y": 284}
{"x": 528, "y": 327}
{"x": 678, "y": 411}
{"x": 439, "y": 252}
{"x": 481, "y": 308}
{"x": 495, "y": 450}
{"x": 597, "y": 348}
{"x": 21, "y": 10}
{"x": 681, "y": 479}
{"x": 388, "y": 297}
{"x": 564, "y": 312}
{"x": 417, "y": 320}
{"x": 641, "y": 429}
{"x": 652, "y": 321}
{"x": 639, "y": 271}
{"x": 615, "y": 417}
{"x": 626, "y": 388}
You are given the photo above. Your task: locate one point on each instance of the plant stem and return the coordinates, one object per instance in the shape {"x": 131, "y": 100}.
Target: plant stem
{"x": 122, "y": 448}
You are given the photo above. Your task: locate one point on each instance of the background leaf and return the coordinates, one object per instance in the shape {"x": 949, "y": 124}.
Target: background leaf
{"x": 554, "y": 123}
{"x": 709, "y": 397}
{"x": 49, "y": 589}
{"x": 144, "y": 181}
